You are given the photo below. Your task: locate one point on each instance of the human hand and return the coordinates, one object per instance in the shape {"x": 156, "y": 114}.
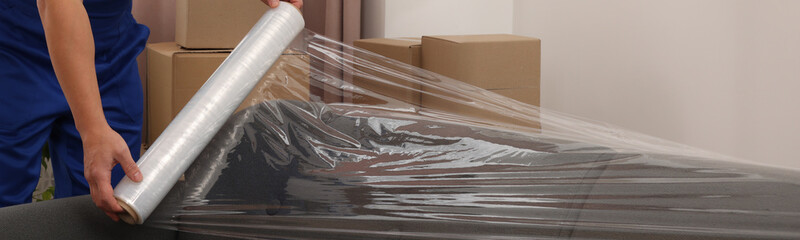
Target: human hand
{"x": 104, "y": 148}
{"x": 274, "y": 3}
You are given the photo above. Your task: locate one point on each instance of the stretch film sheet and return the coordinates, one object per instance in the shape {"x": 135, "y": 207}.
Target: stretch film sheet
{"x": 207, "y": 111}
{"x": 311, "y": 155}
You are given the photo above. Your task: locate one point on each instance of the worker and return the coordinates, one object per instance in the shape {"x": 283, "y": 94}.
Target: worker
{"x": 69, "y": 78}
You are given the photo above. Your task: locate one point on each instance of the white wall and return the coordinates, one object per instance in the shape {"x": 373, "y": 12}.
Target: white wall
{"x": 410, "y": 18}
{"x": 722, "y": 75}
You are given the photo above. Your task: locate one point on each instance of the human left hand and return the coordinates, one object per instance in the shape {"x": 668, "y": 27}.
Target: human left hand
{"x": 274, "y": 3}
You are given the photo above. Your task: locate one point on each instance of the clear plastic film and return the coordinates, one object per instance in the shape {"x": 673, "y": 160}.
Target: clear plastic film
{"x": 330, "y": 146}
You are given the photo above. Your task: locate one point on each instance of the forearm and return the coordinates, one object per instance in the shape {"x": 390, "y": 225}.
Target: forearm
{"x": 71, "y": 47}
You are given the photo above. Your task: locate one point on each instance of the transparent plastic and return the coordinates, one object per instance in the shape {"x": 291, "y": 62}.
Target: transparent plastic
{"x": 330, "y": 146}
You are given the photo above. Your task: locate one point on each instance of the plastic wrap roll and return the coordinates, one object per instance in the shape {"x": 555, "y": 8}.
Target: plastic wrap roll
{"x": 207, "y": 111}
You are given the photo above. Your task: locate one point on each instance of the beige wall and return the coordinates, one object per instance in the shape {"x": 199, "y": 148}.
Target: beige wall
{"x": 410, "y": 18}
{"x": 722, "y": 75}
{"x": 159, "y": 16}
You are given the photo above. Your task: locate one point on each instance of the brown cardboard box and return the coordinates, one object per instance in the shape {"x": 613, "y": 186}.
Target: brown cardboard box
{"x": 215, "y": 24}
{"x": 499, "y": 61}
{"x": 465, "y": 106}
{"x": 505, "y": 64}
{"x": 175, "y": 74}
{"x": 406, "y": 50}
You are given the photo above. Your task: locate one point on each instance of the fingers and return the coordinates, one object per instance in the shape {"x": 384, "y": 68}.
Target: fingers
{"x": 128, "y": 165}
{"x": 275, "y": 3}
{"x": 102, "y": 193}
{"x": 105, "y": 194}
{"x": 272, "y": 3}
{"x": 297, "y": 3}
{"x": 113, "y": 216}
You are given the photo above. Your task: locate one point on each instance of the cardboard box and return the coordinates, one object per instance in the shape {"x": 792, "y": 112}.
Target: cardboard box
{"x": 215, "y": 24}
{"x": 499, "y": 61}
{"x": 175, "y": 74}
{"x": 406, "y": 50}
{"x": 505, "y": 64}
{"x": 466, "y": 106}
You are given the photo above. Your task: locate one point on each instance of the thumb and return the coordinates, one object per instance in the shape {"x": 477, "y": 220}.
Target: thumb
{"x": 129, "y": 166}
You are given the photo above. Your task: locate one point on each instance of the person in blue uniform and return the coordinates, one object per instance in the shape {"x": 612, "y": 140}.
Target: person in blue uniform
{"x": 69, "y": 78}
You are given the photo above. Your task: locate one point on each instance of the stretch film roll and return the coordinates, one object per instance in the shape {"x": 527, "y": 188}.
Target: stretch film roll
{"x": 192, "y": 129}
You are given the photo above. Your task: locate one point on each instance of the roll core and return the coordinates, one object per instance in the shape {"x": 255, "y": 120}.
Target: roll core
{"x": 129, "y": 216}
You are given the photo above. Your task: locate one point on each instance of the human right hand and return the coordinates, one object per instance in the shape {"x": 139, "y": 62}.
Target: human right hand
{"x": 103, "y": 148}
{"x": 274, "y": 3}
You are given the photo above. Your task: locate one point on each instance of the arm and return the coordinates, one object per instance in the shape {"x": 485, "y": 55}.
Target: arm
{"x": 71, "y": 46}
{"x": 274, "y": 3}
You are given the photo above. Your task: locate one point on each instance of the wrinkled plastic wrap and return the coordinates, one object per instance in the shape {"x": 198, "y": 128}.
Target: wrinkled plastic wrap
{"x": 354, "y": 161}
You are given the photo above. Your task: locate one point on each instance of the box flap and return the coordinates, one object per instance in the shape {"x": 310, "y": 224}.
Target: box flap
{"x": 406, "y": 50}
{"x": 482, "y": 38}
{"x": 171, "y": 48}
{"x": 394, "y": 42}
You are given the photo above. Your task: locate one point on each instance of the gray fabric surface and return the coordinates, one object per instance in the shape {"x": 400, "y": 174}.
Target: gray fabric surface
{"x": 69, "y": 218}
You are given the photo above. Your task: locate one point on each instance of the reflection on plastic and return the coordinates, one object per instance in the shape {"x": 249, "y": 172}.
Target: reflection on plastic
{"x": 394, "y": 169}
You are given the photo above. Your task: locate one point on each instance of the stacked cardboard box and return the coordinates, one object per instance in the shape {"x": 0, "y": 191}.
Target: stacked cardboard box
{"x": 215, "y": 24}
{"x": 504, "y": 64}
{"x": 406, "y": 50}
{"x": 175, "y": 74}
{"x": 206, "y": 33}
